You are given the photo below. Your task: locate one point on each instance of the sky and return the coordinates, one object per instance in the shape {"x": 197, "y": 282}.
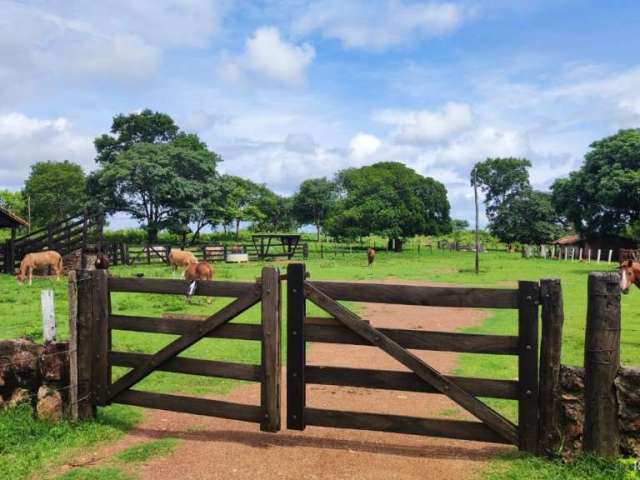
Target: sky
{"x": 287, "y": 90}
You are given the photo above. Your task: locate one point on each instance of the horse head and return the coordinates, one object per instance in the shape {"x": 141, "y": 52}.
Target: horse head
{"x": 629, "y": 274}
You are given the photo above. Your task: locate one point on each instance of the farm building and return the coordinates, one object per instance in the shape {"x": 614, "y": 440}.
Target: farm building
{"x": 10, "y": 220}
{"x": 603, "y": 243}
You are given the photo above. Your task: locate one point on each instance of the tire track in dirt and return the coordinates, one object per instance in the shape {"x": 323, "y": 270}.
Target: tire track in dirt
{"x": 212, "y": 448}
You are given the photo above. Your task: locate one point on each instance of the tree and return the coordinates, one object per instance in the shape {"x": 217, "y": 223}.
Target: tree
{"x": 603, "y": 196}
{"x": 14, "y": 202}
{"x": 57, "y": 191}
{"x": 313, "y": 202}
{"x": 391, "y": 200}
{"x": 458, "y": 225}
{"x": 277, "y": 214}
{"x": 152, "y": 171}
{"x": 499, "y": 179}
{"x": 528, "y": 217}
{"x": 239, "y": 201}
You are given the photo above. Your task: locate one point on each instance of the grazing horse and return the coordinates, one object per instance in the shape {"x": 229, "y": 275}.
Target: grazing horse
{"x": 196, "y": 272}
{"x": 181, "y": 258}
{"x": 629, "y": 273}
{"x": 371, "y": 256}
{"x": 31, "y": 261}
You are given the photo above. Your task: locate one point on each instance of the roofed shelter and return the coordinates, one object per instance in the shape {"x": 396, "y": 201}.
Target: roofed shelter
{"x": 10, "y": 220}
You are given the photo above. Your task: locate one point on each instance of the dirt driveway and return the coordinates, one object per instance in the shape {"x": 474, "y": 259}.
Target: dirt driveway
{"x": 212, "y": 448}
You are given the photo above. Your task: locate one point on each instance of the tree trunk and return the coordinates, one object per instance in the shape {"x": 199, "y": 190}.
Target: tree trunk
{"x": 318, "y": 232}
{"x": 152, "y": 234}
{"x": 237, "y": 230}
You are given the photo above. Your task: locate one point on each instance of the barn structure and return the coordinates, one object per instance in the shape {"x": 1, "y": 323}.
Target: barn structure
{"x": 10, "y": 220}
{"x": 615, "y": 243}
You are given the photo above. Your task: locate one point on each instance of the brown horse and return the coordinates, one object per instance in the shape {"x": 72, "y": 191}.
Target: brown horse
{"x": 629, "y": 273}
{"x": 31, "y": 261}
{"x": 181, "y": 258}
{"x": 371, "y": 256}
{"x": 195, "y": 272}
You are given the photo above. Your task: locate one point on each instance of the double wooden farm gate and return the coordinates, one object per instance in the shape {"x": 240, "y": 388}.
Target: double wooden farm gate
{"x": 95, "y": 322}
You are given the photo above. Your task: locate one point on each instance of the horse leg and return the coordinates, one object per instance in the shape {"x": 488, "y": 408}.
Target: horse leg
{"x": 30, "y": 270}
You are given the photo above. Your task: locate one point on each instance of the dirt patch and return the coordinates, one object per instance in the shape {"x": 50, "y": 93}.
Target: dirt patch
{"x": 223, "y": 449}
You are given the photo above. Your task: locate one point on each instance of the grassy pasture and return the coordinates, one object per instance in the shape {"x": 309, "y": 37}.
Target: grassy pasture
{"x": 20, "y": 315}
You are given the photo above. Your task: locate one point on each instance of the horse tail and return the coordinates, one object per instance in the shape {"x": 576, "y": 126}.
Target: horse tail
{"x": 60, "y": 266}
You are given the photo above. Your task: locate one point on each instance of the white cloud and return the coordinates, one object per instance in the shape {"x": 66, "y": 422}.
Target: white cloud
{"x": 26, "y": 140}
{"x": 380, "y": 24}
{"x": 269, "y": 55}
{"x": 425, "y": 126}
{"x": 363, "y": 145}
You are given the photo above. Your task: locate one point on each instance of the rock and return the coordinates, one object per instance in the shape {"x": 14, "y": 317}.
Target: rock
{"x": 49, "y": 407}
{"x": 20, "y": 396}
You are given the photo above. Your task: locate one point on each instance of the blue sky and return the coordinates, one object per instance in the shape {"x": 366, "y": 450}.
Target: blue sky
{"x": 287, "y": 90}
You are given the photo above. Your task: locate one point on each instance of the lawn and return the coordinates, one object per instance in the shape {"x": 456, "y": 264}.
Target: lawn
{"x": 20, "y": 315}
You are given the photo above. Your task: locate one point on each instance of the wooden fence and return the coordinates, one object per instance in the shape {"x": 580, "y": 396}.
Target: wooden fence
{"x": 93, "y": 321}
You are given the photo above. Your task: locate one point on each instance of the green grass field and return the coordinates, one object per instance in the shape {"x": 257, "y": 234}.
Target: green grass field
{"x": 20, "y": 315}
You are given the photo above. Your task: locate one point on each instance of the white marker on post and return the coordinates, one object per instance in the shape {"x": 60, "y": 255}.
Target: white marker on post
{"x": 48, "y": 316}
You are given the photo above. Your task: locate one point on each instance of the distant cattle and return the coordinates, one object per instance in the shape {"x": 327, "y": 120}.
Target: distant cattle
{"x": 31, "y": 261}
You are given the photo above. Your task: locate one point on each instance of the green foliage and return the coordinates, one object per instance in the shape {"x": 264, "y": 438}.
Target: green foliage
{"x": 147, "y": 450}
{"x": 515, "y": 466}
{"x": 14, "y": 202}
{"x": 388, "y": 199}
{"x": 603, "y": 196}
{"x": 149, "y": 170}
{"x": 100, "y": 473}
{"x": 459, "y": 225}
{"x": 528, "y": 217}
{"x": 499, "y": 179}
{"x": 27, "y": 444}
{"x": 57, "y": 190}
{"x": 313, "y": 202}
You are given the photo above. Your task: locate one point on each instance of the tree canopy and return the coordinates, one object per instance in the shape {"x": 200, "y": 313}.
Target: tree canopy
{"x": 391, "y": 200}
{"x": 57, "y": 191}
{"x": 14, "y": 202}
{"x": 603, "y": 196}
{"x": 313, "y": 202}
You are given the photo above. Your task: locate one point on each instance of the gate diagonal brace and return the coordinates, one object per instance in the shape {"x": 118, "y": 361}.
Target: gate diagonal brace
{"x": 200, "y": 330}
{"x": 431, "y": 376}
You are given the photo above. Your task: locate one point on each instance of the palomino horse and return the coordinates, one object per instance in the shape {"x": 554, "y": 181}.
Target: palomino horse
{"x": 181, "y": 258}
{"x": 31, "y": 261}
{"x": 629, "y": 273}
{"x": 196, "y": 272}
{"x": 371, "y": 256}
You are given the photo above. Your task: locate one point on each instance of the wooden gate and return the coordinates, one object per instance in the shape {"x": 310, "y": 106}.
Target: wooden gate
{"x": 351, "y": 329}
{"x": 94, "y": 358}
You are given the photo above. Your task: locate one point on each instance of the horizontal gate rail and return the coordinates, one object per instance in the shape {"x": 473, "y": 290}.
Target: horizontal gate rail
{"x": 413, "y": 295}
{"x": 432, "y": 427}
{"x": 179, "y": 287}
{"x": 406, "y": 381}
{"x": 420, "y": 340}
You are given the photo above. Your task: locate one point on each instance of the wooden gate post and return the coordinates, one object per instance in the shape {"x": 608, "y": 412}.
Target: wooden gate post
{"x": 101, "y": 336}
{"x": 602, "y": 361}
{"x": 296, "y": 358}
{"x": 270, "y": 385}
{"x": 550, "y": 356}
{"x": 528, "y": 299}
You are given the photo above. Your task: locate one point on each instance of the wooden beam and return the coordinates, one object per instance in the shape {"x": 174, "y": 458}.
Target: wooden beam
{"x": 416, "y": 295}
{"x": 296, "y": 346}
{"x": 179, "y": 287}
{"x": 492, "y": 419}
{"x": 270, "y": 385}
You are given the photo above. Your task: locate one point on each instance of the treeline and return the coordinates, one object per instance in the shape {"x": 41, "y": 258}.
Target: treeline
{"x": 169, "y": 180}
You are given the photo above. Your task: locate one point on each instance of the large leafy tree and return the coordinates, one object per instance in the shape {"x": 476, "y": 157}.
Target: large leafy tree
{"x": 14, "y": 202}
{"x": 57, "y": 190}
{"x": 528, "y": 217}
{"x": 276, "y": 211}
{"x": 313, "y": 202}
{"x": 499, "y": 179}
{"x": 603, "y": 196}
{"x": 240, "y": 202}
{"x": 391, "y": 200}
{"x": 152, "y": 171}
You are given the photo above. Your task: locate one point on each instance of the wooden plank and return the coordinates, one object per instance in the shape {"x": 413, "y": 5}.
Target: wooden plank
{"x": 492, "y": 419}
{"x": 196, "y": 406}
{"x": 191, "y": 366}
{"x": 48, "y": 316}
{"x": 415, "y": 295}
{"x": 270, "y": 385}
{"x": 179, "y": 287}
{"x": 552, "y": 315}
{"x": 237, "y": 331}
{"x": 420, "y": 339}
{"x": 199, "y": 331}
{"x": 329, "y": 321}
{"x": 296, "y": 346}
{"x": 102, "y": 336}
{"x": 431, "y": 427}
{"x": 72, "y": 290}
{"x": 84, "y": 345}
{"x": 602, "y": 361}
{"x": 406, "y": 381}
{"x": 528, "y": 366}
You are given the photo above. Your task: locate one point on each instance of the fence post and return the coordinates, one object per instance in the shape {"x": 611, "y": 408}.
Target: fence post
{"x": 102, "y": 336}
{"x": 602, "y": 361}
{"x": 552, "y": 314}
{"x": 296, "y": 357}
{"x": 48, "y": 316}
{"x": 80, "y": 345}
{"x": 305, "y": 250}
{"x": 528, "y": 299}
{"x": 610, "y": 254}
{"x": 270, "y": 385}
{"x": 149, "y": 254}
